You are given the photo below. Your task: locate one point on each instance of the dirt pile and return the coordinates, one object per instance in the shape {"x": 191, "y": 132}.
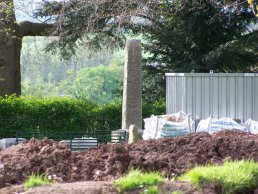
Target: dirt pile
{"x": 168, "y": 156}
{"x": 17, "y": 162}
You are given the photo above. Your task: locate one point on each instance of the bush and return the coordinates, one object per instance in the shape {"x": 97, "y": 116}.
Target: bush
{"x": 62, "y": 114}
{"x": 47, "y": 114}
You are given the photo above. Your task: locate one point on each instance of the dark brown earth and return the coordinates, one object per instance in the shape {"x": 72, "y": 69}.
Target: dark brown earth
{"x": 170, "y": 156}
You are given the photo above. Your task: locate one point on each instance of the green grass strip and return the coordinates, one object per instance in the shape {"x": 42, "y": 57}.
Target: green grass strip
{"x": 233, "y": 177}
{"x": 136, "y": 179}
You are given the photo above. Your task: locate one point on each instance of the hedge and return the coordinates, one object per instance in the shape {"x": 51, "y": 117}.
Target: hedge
{"x": 58, "y": 114}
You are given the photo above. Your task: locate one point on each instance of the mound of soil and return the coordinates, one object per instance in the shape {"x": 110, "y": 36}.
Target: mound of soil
{"x": 170, "y": 156}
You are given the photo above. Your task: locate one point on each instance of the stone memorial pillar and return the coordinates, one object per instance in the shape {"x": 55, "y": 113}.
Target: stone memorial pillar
{"x": 132, "y": 92}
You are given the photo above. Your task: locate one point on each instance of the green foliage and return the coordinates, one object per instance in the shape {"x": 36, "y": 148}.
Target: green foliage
{"x": 39, "y": 88}
{"x": 47, "y": 114}
{"x": 35, "y": 180}
{"x": 155, "y": 108}
{"x": 203, "y": 37}
{"x": 97, "y": 84}
{"x": 179, "y": 36}
{"x": 232, "y": 177}
{"x": 58, "y": 114}
{"x": 7, "y": 28}
{"x": 153, "y": 84}
{"x": 151, "y": 190}
{"x": 45, "y": 75}
{"x": 199, "y": 36}
{"x": 136, "y": 179}
{"x": 94, "y": 24}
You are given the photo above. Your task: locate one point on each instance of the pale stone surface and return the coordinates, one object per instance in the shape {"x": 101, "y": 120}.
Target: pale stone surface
{"x": 133, "y": 134}
{"x": 132, "y": 93}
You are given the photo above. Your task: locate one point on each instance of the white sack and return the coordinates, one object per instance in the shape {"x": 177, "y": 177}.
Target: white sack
{"x": 212, "y": 125}
{"x": 171, "y": 125}
{"x": 252, "y": 126}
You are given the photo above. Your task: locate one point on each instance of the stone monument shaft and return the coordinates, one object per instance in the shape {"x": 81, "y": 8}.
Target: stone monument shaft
{"x": 132, "y": 92}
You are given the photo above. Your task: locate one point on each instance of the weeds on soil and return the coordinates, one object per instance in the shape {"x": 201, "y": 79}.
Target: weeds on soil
{"x": 37, "y": 180}
{"x": 136, "y": 179}
{"x": 151, "y": 190}
{"x": 177, "y": 192}
{"x": 233, "y": 176}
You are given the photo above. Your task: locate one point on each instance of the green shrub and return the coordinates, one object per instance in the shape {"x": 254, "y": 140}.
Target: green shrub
{"x": 61, "y": 114}
{"x": 36, "y": 180}
{"x": 232, "y": 177}
{"x": 47, "y": 114}
{"x": 135, "y": 179}
{"x": 156, "y": 108}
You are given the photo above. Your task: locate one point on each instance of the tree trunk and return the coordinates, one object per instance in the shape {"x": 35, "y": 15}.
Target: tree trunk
{"x": 10, "y": 50}
{"x": 10, "y": 77}
{"x": 11, "y": 35}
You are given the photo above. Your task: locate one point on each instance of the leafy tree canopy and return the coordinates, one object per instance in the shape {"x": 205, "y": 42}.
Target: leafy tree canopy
{"x": 180, "y": 35}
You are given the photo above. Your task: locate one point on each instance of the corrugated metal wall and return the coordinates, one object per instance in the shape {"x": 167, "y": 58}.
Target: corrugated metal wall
{"x": 232, "y": 95}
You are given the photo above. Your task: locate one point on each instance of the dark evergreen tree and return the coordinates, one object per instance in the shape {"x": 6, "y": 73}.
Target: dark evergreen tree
{"x": 199, "y": 36}
{"x": 203, "y": 37}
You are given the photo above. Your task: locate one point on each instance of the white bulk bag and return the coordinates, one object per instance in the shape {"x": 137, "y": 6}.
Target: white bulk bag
{"x": 252, "y": 126}
{"x": 212, "y": 125}
{"x": 172, "y": 125}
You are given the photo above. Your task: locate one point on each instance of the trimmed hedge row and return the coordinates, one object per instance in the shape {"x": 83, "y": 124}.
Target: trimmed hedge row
{"x": 60, "y": 114}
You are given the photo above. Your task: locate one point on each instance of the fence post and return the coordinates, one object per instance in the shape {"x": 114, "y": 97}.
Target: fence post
{"x": 17, "y": 138}
{"x": 70, "y": 134}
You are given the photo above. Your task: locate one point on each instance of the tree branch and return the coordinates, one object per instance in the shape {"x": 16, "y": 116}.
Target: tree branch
{"x": 254, "y": 31}
{"x": 34, "y": 29}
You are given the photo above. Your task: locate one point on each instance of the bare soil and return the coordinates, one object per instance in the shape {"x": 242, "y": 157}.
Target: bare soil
{"x": 170, "y": 156}
{"x": 89, "y": 187}
{"x": 101, "y": 187}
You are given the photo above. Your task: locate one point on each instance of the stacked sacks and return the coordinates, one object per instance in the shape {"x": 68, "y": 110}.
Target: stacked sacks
{"x": 172, "y": 125}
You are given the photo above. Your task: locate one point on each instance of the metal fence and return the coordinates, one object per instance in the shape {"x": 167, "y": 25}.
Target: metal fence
{"x": 75, "y": 140}
{"x": 232, "y": 95}
{"x": 91, "y": 127}
{"x": 103, "y": 136}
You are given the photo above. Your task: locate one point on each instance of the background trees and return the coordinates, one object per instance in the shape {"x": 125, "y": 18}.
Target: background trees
{"x": 204, "y": 37}
{"x": 179, "y": 36}
{"x": 97, "y": 78}
{"x": 201, "y": 37}
{"x": 96, "y": 84}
